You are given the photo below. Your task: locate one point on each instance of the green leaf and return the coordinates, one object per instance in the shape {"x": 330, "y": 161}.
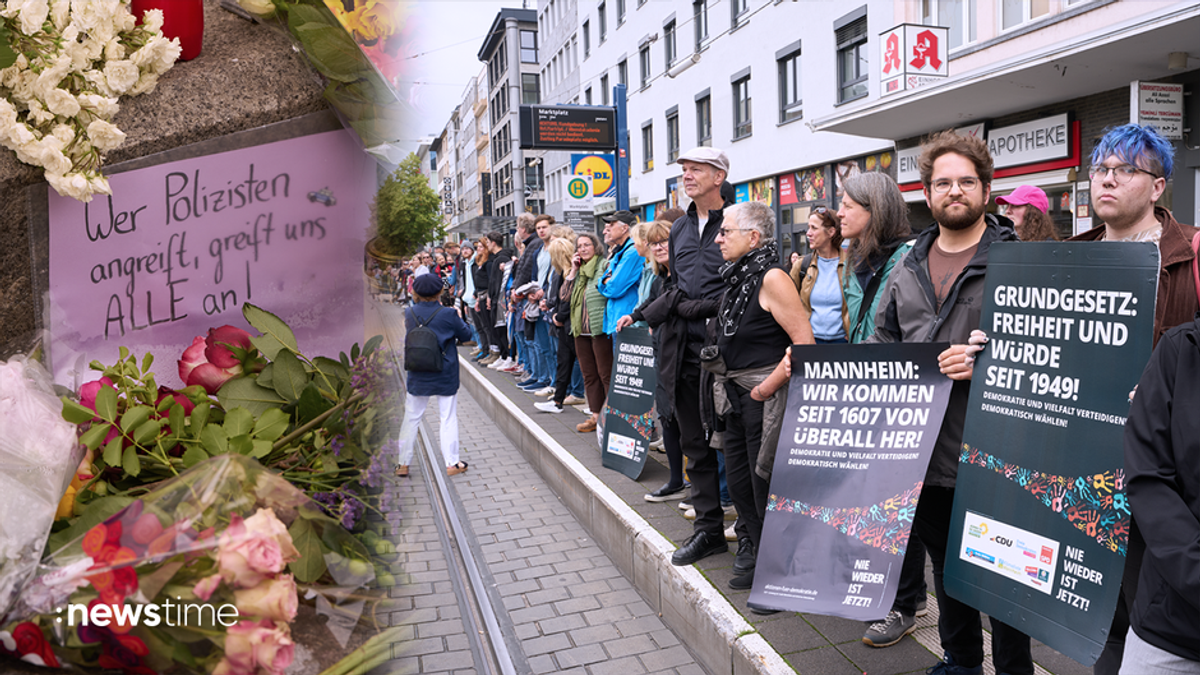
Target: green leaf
{"x": 147, "y": 360}
{"x": 92, "y": 438}
{"x": 354, "y": 352}
{"x": 193, "y": 456}
{"x": 134, "y": 417}
{"x": 199, "y": 417}
{"x": 106, "y": 404}
{"x": 244, "y": 392}
{"x": 261, "y": 449}
{"x": 311, "y": 404}
{"x": 7, "y": 56}
{"x": 271, "y": 425}
{"x": 75, "y": 413}
{"x": 311, "y": 564}
{"x": 241, "y": 445}
{"x": 331, "y": 368}
{"x": 267, "y": 376}
{"x": 215, "y": 440}
{"x": 112, "y": 451}
{"x": 147, "y": 431}
{"x": 270, "y": 326}
{"x": 328, "y": 462}
{"x": 176, "y": 419}
{"x": 239, "y": 421}
{"x": 290, "y": 377}
{"x": 372, "y": 345}
{"x": 97, "y": 511}
{"x": 131, "y": 463}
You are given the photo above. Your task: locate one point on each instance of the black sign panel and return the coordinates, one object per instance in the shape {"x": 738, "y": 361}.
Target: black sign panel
{"x": 629, "y": 418}
{"x": 1041, "y": 523}
{"x": 568, "y": 127}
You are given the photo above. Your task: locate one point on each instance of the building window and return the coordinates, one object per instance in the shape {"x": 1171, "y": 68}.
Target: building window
{"x": 957, "y": 15}
{"x": 602, "y": 16}
{"x": 529, "y": 46}
{"x": 620, "y": 12}
{"x": 530, "y": 94}
{"x": 700, "y": 19}
{"x": 704, "y": 120}
{"x": 534, "y": 177}
{"x": 623, "y": 73}
{"x": 497, "y": 65}
{"x": 644, "y": 62}
{"x": 1016, "y": 12}
{"x": 648, "y": 147}
{"x": 604, "y": 90}
{"x": 672, "y": 137}
{"x": 738, "y": 9}
{"x": 853, "y": 69}
{"x": 669, "y": 43}
{"x": 791, "y": 94}
{"x": 587, "y": 39}
{"x": 499, "y": 107}
{"x": 741, "y": 108}
{"x": 587, "y": 96}
{"x": 501, "y": 144}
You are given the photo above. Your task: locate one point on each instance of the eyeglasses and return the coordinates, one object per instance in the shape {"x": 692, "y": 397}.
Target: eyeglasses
{"x": 726, "y": 230}
{"x": 660, "y": 242}
{"x": 1122, "y": 173}
{"x": 966, "y": 184}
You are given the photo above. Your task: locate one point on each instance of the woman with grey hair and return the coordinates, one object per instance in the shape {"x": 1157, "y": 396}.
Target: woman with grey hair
{"x": 875, "y": 218}
{"x": 760, "y": 316}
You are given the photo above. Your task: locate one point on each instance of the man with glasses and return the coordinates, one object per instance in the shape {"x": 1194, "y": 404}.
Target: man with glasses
{"x": 1130, "y": 169}
{"x": 935, "y": 294}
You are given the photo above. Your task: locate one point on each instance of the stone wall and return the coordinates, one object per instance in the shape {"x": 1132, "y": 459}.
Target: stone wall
{"x": 247, "y": 76}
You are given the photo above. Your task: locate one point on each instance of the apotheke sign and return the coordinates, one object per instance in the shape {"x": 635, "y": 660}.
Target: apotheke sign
{"x": 1038, "y": 141}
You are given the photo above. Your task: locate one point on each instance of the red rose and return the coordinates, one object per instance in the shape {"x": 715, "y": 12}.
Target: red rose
{"x": 210, "y": 362}
{"x": 30, "y": 640}
{"x": 220, "y": 340}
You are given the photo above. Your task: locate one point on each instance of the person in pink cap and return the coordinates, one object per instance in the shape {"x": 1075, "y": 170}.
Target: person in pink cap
{"x": 1027, "y": 207}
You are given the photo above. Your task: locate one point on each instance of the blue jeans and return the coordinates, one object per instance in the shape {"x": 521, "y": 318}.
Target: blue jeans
{"x": 576, "y": 388}
{"x": 547, "y": 353}
{"x": 722, "y": 480}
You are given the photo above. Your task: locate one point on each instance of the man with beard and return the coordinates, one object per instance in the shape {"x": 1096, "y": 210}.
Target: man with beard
{"x": 936, "y": 295}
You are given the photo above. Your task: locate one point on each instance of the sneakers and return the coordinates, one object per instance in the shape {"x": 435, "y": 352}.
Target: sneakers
{"x": 531, "y": 387}
{"x": 948, "y": 667}
{"x": 500, "y": 363}
{"x": 587, "y": 425}
{"x": 455, "y": 469}
{"x": 586, "y": 410}
{"x": 667, "y": 493}
{"x": 697, "y": 547}
{"x": 525, "y": 383}
{"x": 730, "y": 533}
{"x": 729, "y": 509}
{"x": 657, "y": 445}
{"x": 685, "y": 505}
{"x": 489, "y": 359}
{"x": 891, "y": 630}
{"x": 548, "y": 406}
{"x": 545, "y": 391}
{"x": 574, "y": 400}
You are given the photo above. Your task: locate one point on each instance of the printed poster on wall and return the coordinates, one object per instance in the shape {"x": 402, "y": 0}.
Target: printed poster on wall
{"x": 860, "y": 428}
{"x": 1040, "y": 523}
{"x": 629, "y": 417}
{"x": 179, "y": 246}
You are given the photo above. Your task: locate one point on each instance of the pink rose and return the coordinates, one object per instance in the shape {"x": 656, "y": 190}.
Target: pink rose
{"x": 256, "y": 647}
{"x": 87, "y": 399}
{"x": 254, "y": 549}
{"x": 273, "y": 599}
{"x": 206, "y": 587}
{"x": 210, "y": 362}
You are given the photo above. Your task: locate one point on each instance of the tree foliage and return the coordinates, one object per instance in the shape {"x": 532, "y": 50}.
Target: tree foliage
{"x": 406, "y": 210}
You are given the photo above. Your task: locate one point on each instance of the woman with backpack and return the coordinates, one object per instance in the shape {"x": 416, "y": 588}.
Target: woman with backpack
{"x": 431, "y": 365}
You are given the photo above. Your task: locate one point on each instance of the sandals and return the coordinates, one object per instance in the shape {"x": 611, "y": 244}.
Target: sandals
{"x": 456, "y": 469}
{"x": 402, "y": 471}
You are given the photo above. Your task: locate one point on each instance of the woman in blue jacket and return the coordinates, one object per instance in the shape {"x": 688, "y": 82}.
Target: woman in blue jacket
{"x": 443, "y": 385}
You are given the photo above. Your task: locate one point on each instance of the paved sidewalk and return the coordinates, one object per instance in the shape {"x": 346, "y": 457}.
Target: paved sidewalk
{"x": 810, "y": 643}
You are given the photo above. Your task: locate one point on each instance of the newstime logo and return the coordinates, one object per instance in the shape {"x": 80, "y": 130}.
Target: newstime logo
{"x": 173, "y": 614}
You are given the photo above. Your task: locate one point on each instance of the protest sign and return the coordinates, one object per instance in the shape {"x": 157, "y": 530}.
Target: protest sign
{"x": 178, "y": 247}
{"x": 628, "y": 421}
{"x": 856, "y": 440}
{"x": 1040, "y": 524}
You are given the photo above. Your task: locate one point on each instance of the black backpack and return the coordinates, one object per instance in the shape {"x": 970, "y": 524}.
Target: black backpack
{"x": 422, "y": 349}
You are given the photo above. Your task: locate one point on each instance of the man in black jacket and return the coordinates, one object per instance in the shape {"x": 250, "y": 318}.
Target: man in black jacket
{"x": 695, "y": 267}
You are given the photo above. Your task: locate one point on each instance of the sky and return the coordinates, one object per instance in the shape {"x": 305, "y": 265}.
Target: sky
{"x": 445, "y": 38}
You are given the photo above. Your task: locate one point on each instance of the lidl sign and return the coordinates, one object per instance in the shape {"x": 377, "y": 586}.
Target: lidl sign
{"x": 602, "y": 170}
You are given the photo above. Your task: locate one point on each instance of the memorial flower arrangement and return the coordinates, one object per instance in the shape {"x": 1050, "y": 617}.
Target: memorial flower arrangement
{"x": 64, "y": 65}
{"x": 245, "y": 491}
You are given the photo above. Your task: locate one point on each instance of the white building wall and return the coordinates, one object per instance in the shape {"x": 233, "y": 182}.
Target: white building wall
{"x": 560, "y": 52}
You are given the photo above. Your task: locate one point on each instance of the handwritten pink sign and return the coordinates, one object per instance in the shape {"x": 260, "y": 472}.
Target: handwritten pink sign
{"x": 178, "y": 248}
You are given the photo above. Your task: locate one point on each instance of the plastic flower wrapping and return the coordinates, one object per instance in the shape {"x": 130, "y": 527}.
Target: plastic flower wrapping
{"x": 38, "y": 456}
{"x": 207, "y": 572}
{"x": 74, "y": 60}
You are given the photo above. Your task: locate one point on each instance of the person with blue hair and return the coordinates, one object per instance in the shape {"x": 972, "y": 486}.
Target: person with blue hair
{"x": 1130, "y": 168}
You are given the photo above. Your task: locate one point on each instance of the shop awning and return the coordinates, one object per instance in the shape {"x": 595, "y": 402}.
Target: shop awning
{"x": 1105, "y": 59}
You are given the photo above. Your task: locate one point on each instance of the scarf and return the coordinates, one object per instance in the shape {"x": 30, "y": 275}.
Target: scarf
{"x": 743, "y": 277}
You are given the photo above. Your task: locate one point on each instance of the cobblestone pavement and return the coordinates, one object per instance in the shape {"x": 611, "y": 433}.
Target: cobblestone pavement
{"x": 563, "y": 606}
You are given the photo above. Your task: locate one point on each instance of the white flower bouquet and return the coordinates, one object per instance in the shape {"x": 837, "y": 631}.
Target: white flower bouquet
{"x": 69, "y": 62}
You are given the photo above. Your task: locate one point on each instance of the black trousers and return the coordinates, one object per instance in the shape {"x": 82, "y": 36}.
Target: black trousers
{"x": 743, "y": 439}
{"x": 565, "y": 365}
{"x": 702, "y": 460}
{"x": 911, "y": 587}
{"x": 960, "y": 625}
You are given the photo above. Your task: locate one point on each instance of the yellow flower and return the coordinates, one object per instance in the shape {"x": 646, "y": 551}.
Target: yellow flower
{"x": 373, "y": 21}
